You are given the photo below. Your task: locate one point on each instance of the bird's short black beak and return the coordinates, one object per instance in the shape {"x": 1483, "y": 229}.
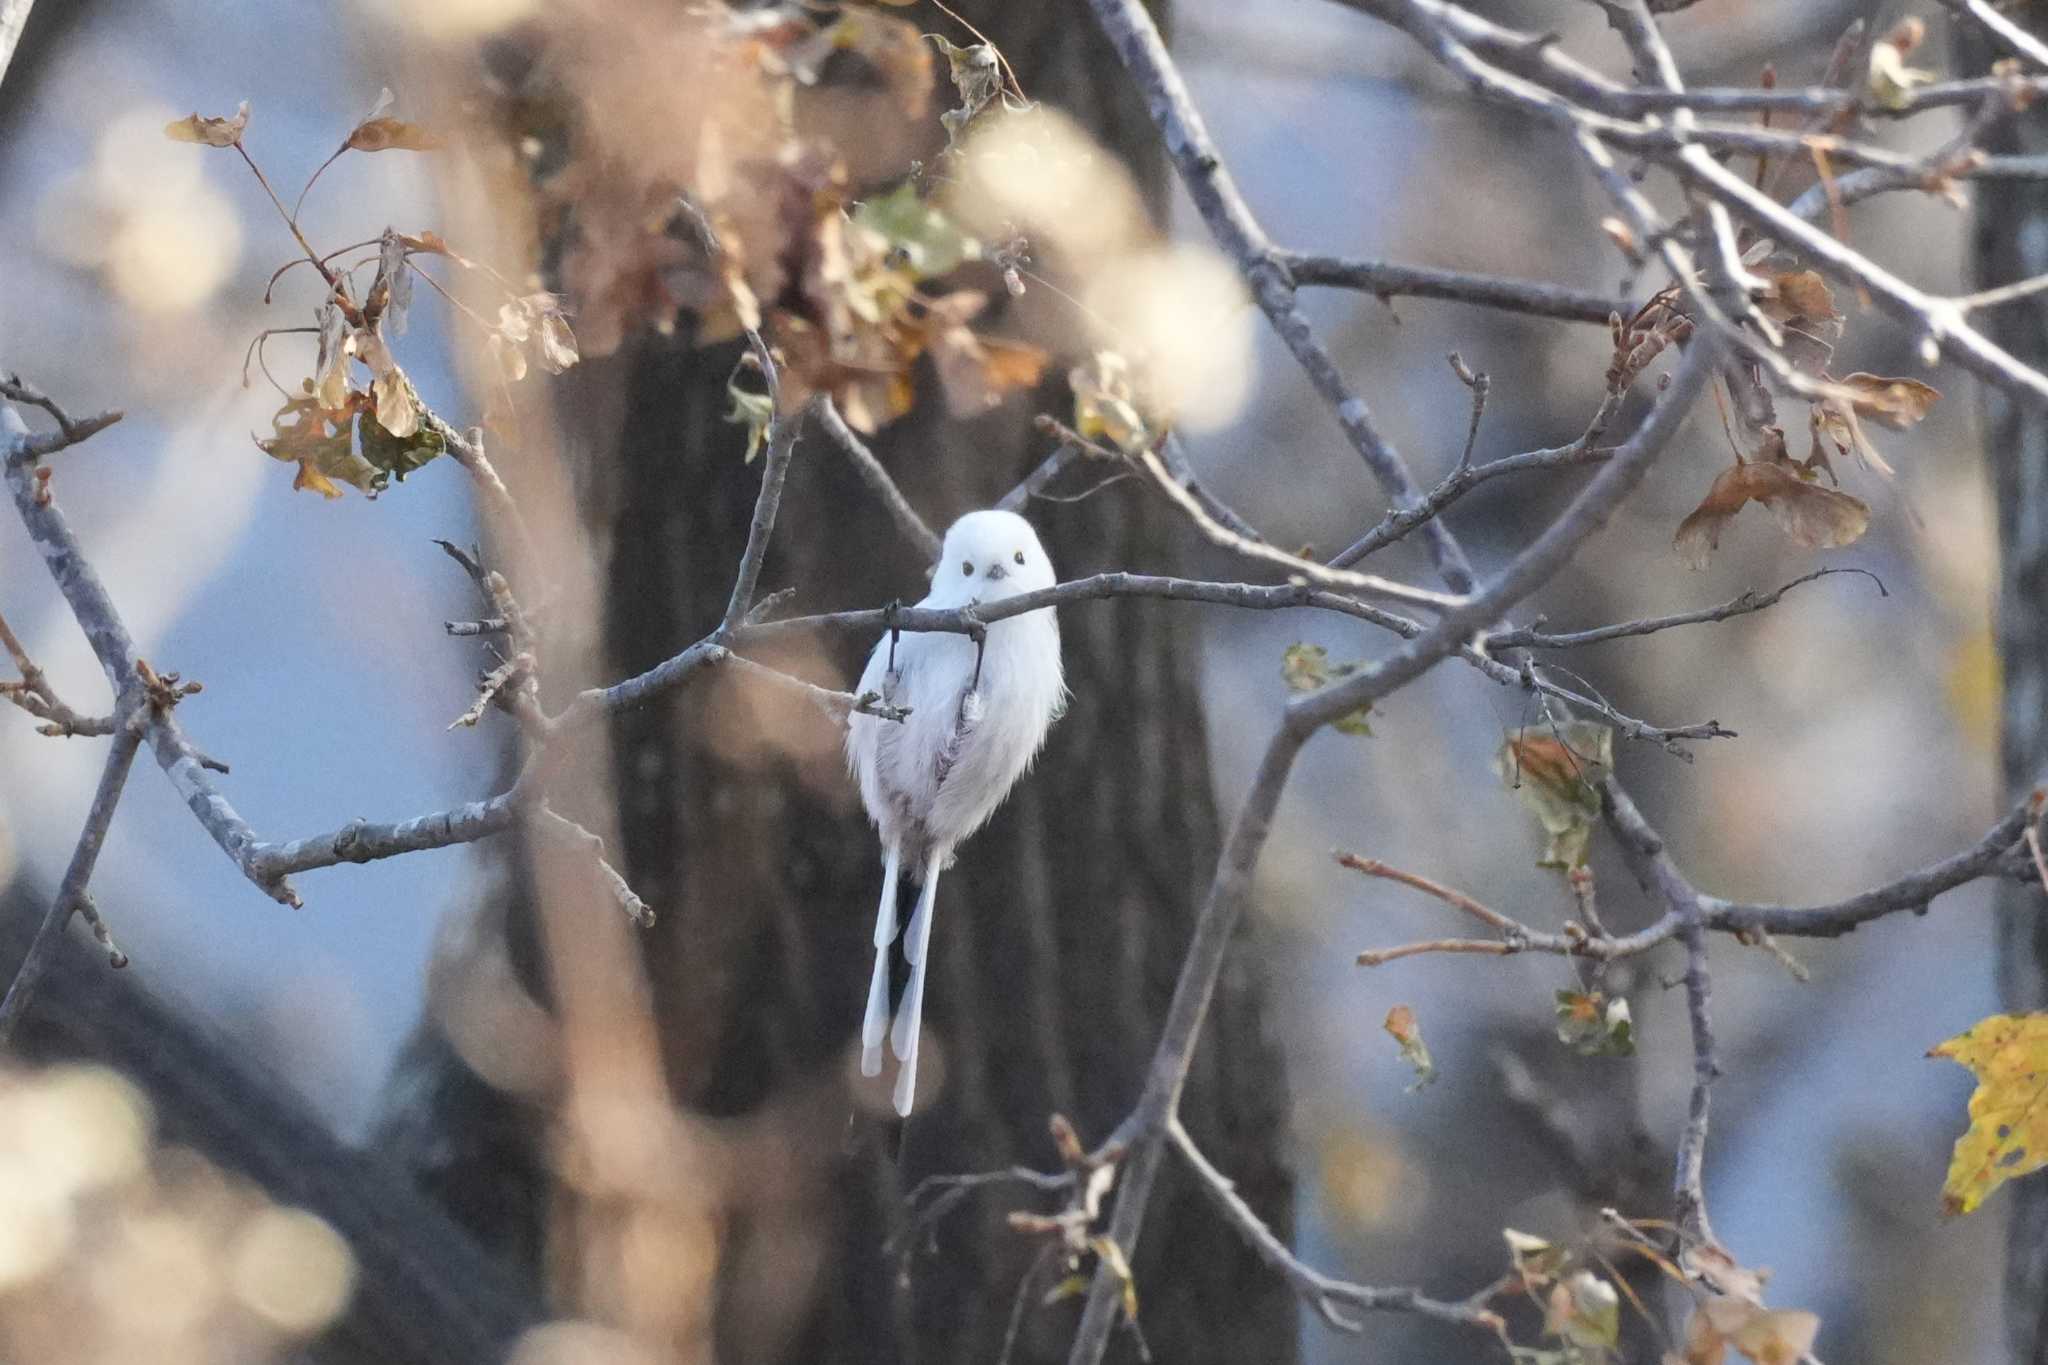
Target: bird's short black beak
{"x": 998, "y": 572}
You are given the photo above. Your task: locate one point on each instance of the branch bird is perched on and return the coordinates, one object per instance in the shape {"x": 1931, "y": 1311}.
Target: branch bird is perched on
{"x": 979, "y": 712}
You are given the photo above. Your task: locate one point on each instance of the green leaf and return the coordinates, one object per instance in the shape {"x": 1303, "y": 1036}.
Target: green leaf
{"x": 1557, "y": 772}
{"x": 1307, "y": 668}
{"x": 755, "y": 412}
{"x": 931, "y": 243}
{"x": 1593, "y": 1025}
{"x": 398, "y": 455}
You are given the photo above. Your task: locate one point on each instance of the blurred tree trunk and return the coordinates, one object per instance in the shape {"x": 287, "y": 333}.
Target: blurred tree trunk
{"x": 1059, "y": 933}
{"x": 2012, "y": 244}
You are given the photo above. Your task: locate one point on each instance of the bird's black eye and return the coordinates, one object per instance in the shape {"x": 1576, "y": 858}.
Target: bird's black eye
{"x": 967, "y": 566}
{"x": 1019, "y": 556}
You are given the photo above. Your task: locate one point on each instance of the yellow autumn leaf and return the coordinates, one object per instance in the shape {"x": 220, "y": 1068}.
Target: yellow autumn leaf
{"x": 2008, "y": 1134}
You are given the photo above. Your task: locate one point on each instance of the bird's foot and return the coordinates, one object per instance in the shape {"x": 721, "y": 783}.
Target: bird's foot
{"x": 889, "y": 610}
{"x": 978, "y": 633}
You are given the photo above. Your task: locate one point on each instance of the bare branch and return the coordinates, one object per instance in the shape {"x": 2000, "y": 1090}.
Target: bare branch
{"x": 115, "y": 649}
{"x": 1989, "y": 856}
{"x": 568, "y": 830}
{"x": 34, "y": 695}
{"x": 2015, "y": 38}
{"x": 1384, "y": 281}
{"x": 1488, "y": 947}
{"x": 1230, "y": 220}
{"x": 1457, "y": 900}
{"x": 1643, "y": 849}
{"x": 913, "y": 526}
{"x": 1533, "y": 638}
{"x": 1327, "y": 1295}
{"x": 1397, "y": 523}
{"x": 72, "y": 889}
{"x": 70, "y": 431}
{"x": 838, "y": 705}
{"x": 1222, "y": 535}
{"x": 774, "y": 469}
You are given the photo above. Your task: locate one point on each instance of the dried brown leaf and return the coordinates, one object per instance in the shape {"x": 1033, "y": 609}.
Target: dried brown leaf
{"x": 212, "y": 132}
{"x": 391, "y": 135}
{"x": 1895, "y": 403}
{"x": 1798, "y": 293}
{"x": 1811, "y": 515}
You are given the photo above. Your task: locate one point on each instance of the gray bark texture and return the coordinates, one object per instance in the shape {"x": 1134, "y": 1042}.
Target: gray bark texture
{"x": 1058, "y": 934}
{"x": 2011, "y": 243}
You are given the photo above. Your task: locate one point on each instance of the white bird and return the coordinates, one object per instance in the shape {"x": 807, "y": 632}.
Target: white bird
{"x": 978, "y": 716}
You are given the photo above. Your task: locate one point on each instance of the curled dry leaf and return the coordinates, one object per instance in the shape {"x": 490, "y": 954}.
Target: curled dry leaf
{"x": 977, "y": 76}
{"x": 1107, "y": 406}
{"x": 330, "y": 370}
{"x": 391, "y": 291}
{"x": 318, "y": 440}
{"x": 391, "y": 135}
{"x": 521, "y": 320}
{"x": 1766, "y": 1336}
{"x": 1557, "y": 772}
{"x": 1797, "y": 293}
{"x": 1585, "y": 1310}
{"x": 1594, "y": 1025}
{"x": 1403, "y": 1029}
{"x": 1895, "y": 403}
{"x": 212, "y": 132}
{"x": 1810, "y": 514}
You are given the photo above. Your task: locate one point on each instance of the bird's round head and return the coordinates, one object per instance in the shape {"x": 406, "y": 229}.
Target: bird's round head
{"x": 991, "y": 555}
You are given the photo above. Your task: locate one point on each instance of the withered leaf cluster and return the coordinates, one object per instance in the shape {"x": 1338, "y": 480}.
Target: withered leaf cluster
{"x": 1806, "y": 326}
{"x": 774, "y": 198}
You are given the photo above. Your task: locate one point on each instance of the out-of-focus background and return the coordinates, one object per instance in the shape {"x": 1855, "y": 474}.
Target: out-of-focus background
{"x": 134, "y": 274}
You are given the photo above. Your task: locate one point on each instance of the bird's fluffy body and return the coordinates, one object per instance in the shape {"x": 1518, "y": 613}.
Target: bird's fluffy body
{"x": 935, "y": 777}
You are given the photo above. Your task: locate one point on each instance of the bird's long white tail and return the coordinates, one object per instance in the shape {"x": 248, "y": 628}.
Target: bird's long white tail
{"x": 875, "y": 1024}
{"x": 910, "y": 1015}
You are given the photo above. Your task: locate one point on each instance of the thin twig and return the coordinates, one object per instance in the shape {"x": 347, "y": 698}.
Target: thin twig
{"x": 2015, "y": 292}
{"x": 2005, "y": 30}
{"x": 838, "y": 705}
{"x": 1327, "y": 1295}
{"x": 1237, "y": 231}
{"x": 71, "y": 890}
{"x": 1399, "y": 521}
{"x": 1457, "y": 900}
{"x": 33, "y": 695}
{"x": 914, "y": 527}
{"x": 1741, "y": 606}
{"x": 1478, "y": 383}
{"x": 563, "y": 827}
{"x": 1351, "y": 580}
{"x": 782, "y": 441}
